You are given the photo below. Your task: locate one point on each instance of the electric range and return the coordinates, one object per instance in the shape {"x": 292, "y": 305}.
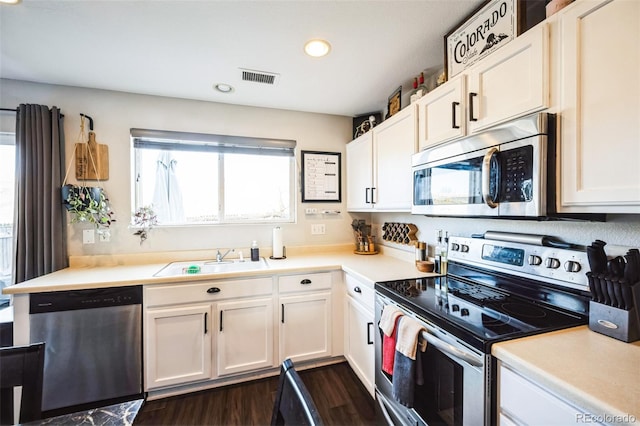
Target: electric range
{"x": 498, "y": 290}
{"x": 494, "y": 291}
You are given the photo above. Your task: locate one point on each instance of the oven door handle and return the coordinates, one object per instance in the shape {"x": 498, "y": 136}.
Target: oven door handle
{"x": 451, "y": 350}
{"x": 486, "y": 178}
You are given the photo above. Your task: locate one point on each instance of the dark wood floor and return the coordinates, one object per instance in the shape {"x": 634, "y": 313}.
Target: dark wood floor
{"x": 338, "y": 394}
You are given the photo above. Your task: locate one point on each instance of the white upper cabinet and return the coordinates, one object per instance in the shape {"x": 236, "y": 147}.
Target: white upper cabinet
{"x": 394, "y": 142}
{"x": 442, "y": 113}
{"x": 599, "y": 104}
{"x": 379, "y": 165}
{"x": 511, "y": 82}
{"x": 360, "y": 173}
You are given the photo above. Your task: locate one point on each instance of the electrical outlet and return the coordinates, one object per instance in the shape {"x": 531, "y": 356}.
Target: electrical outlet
{"x": 88, "y": 236}
{"x": 311, "y": 211}
{"x": 318, "y": 229}
{"x": 104, "y": 237}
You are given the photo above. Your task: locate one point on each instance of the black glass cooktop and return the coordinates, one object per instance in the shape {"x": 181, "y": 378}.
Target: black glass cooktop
{"x": 482, "y": 314}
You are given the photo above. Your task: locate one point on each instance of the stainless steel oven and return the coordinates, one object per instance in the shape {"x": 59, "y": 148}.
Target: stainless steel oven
{"x": 456, "y": 385}
{"x": 495, "y": 290}
{"x": 504, "y": 171}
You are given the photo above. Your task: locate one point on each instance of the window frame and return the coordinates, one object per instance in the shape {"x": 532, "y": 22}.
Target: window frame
{"x": 220, "y": 144}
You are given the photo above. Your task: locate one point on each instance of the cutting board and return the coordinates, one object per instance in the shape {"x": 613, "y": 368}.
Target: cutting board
{"x": 92, "y": 160}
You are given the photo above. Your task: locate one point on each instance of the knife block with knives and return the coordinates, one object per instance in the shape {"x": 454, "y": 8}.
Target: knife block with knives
{"x": 615, "y": 293}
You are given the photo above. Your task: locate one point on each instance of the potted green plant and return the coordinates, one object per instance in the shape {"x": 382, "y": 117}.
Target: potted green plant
{"x": 144, "y": 218}
{"x": 88, "y": 204}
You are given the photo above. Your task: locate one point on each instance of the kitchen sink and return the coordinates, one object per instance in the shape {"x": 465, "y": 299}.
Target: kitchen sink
{"x": 200, "y": 267}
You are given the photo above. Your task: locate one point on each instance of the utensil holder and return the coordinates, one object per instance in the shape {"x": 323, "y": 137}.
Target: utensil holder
{"x": 621, "y": 324}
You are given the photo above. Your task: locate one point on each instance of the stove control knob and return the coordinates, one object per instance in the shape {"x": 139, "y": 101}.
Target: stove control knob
{"x": 464, "y": 248}
{"x": 455, "y": 308}
{"x": 464, "y": 312}
{"x": 455, "y": 246}
{"x": 534, "y": 260}
{"x": 572, "y": 266}
{"x": 552, "y": 263}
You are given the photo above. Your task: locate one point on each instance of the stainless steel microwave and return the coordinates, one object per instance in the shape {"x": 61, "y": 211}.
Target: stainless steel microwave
{"x": 506, "y": 171}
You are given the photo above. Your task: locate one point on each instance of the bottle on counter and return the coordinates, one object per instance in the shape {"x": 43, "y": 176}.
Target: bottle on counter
{"x": 421, "y": 251}
{"x": 437, "y": 250}
{"x": 444, "y": 252}
{"x": 255, "y": 251}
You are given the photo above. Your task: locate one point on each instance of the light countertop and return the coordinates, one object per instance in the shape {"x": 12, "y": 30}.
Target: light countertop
{"x": 594, "y": 372}
{"x": 370, "y": 268}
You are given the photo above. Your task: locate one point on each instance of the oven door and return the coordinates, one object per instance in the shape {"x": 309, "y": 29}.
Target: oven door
{"x": 455, "y": 186}
{"x": 455, "y": 389}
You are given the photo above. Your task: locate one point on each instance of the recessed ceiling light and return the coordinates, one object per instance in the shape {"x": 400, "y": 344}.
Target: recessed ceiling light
{"x": 10, "y": 1}
{"x": 317, "y": 48}
{"x": 223, "y": 87}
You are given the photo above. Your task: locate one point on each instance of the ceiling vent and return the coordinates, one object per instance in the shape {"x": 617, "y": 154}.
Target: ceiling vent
{"x": 260, "y": 77}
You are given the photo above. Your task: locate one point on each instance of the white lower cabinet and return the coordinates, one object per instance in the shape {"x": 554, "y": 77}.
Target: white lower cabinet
{"x": 245, "y": 335}
{"x": 305, "y": 316}
{"x": 524, "y": 402}
{"x": 200, "y": 332}
{"x": 360, "y": 331}
{"x": 183, "y": 340}
{"x": 177, "y": 345}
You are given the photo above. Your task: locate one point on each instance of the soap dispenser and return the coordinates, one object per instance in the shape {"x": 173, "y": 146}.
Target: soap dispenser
{"x": 255, "y": 251}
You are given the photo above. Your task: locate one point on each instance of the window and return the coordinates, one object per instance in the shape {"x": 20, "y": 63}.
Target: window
{"x": 195, "y": 178}
{"x": 7, "y": 190}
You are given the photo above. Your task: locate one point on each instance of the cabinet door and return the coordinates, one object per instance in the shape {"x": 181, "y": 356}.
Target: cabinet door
{"x": 360, "y": 173}
{"x": 600, "y": 107}
{"x": 511, "y": 82}
{"x": 442, "y": 113}
{"x": 305, "y": 326}
{"x": 245, "y": 335}
{"x": 394, "y": 142}
{"x": 359, "y": 344}
{"x": 177, "y": 345}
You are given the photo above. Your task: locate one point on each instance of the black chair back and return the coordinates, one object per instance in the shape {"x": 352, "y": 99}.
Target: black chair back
{"x": 22, "y": 366}
{"x": 293, "y": 405}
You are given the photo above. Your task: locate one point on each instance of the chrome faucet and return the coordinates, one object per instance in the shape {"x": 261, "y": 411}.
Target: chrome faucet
{"x": 220, "y": 256}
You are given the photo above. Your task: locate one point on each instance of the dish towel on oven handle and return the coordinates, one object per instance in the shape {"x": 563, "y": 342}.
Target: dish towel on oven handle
{"x": 388, "y": 325}
{"x": 406, "y": 371}
{"x": 389, "y": 349}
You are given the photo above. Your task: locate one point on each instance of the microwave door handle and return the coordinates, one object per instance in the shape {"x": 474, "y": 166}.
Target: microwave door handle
{"x": 450, "y": 349}
{"x": 486, "y": 178}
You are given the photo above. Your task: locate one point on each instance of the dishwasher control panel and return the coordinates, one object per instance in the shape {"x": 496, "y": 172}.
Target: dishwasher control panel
{"x": 70, "y": 300}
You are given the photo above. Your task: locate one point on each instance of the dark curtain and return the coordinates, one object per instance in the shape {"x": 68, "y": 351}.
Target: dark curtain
{"x": 39, "y": 223}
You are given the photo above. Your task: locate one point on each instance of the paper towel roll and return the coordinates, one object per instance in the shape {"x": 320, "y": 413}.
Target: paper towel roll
{"x": 277, "y": 243}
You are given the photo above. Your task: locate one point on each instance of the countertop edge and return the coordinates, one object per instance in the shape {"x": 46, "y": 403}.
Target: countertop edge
{"x": 530, "y": 368}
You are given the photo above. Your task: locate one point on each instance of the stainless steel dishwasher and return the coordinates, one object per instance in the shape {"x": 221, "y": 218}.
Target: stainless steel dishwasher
{"x": 93, "y": 346}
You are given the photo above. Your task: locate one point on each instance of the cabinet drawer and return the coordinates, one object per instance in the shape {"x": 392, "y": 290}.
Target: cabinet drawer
{"x": 155, "y": 295}
{"x": 304, "y": 282}
{"x": 515, "y": 402}
{"x": 360, "y": 291}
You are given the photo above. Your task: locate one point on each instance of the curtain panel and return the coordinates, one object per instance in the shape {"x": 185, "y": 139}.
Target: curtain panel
{"x": 40, "y": 223}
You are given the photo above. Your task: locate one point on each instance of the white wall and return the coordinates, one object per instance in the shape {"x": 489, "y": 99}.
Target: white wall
{"x": 618, "y": 230}
{"x": 114, "y": 113}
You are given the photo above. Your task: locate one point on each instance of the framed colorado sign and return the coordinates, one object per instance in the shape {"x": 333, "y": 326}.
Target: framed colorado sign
{"x": 487, "y": 29}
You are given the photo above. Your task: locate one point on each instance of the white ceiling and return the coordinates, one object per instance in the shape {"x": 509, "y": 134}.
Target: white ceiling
{"x": 183, "y": 48}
